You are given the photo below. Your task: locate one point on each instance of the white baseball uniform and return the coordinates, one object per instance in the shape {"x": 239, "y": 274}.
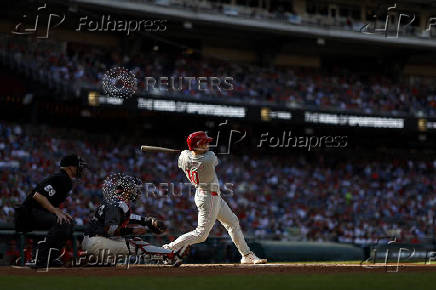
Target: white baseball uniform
{"x": 200, "y": 170}
{"x": 117, "y": 245}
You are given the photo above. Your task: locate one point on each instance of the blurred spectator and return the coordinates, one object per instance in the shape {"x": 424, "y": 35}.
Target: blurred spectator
{"x": 293, "y": 87}
{"x": 352, "y": 199}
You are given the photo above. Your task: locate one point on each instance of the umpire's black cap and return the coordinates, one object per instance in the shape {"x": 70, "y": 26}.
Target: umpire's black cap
{"x": 74, "y": 160}
{"x": 70, "y": 160}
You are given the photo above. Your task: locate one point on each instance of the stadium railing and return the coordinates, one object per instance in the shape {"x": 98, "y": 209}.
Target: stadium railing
{"x": 292, "y": 19}
{"x": 218, "y": 249}
{"x": 221, "y": 249}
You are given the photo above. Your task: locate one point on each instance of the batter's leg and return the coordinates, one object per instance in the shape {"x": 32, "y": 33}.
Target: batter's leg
{"x": 230, "y": 221}
{"x": 208, "y": 208}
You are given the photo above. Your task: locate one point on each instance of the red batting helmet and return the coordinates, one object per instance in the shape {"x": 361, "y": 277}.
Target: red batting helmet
{"x": 197, "y": 138}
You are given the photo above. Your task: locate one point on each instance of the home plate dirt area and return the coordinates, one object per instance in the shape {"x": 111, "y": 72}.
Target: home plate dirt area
{"x": 219, "y": 269}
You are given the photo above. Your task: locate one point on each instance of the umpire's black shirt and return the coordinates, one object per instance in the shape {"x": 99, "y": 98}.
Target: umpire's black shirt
{"x": 55, "y": 188}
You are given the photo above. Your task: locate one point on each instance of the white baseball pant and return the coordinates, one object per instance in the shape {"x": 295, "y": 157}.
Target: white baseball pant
{"x": 95, "y": 245}
{"x": 210, "y": 208}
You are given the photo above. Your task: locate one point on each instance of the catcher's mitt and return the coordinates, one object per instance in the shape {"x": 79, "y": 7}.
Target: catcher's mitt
{"x": 157, "y": 226}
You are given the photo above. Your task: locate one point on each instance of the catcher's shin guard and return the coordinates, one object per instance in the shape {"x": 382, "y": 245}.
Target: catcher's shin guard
{"x": 154, "y": 254}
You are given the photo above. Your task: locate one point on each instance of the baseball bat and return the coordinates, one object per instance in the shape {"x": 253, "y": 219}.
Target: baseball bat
{"x": 146, "y": 148}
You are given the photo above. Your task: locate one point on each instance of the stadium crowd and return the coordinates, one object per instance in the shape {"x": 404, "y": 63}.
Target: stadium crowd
{"x": 352, "y": 200}
{"x": 84, "y": 66}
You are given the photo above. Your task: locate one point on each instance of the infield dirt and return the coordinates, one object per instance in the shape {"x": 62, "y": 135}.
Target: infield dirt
{"x": 218, "y": 269}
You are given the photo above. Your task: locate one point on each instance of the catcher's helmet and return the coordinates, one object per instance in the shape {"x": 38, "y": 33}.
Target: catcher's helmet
{"x": 119, "y": 186}
{"x": 197, "y": 138}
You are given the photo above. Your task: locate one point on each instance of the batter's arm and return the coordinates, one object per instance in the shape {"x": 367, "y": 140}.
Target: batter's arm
{"x": 181, "y": 162}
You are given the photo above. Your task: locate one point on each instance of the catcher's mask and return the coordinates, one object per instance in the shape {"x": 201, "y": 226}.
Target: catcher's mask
{"x": 119, "y": 186}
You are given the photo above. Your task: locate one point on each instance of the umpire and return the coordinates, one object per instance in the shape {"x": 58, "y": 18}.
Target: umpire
{"x": 40, "y": 211}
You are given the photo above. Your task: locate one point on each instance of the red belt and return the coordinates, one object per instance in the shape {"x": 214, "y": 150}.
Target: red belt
{"x": 214, "y": 193}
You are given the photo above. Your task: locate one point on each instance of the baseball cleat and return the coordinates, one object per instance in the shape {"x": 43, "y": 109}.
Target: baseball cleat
{"x": 183, "y": 252}
{"x": 180, "y": 255}
{"x": 177, "y": 262}
{"x": 251, "y": 258}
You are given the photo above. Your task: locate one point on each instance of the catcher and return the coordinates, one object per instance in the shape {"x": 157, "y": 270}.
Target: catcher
{"x": 113, "y": 227}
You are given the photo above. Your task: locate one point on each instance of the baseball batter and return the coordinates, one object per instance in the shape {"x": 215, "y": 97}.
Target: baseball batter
{"x": 198, "y": 163}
